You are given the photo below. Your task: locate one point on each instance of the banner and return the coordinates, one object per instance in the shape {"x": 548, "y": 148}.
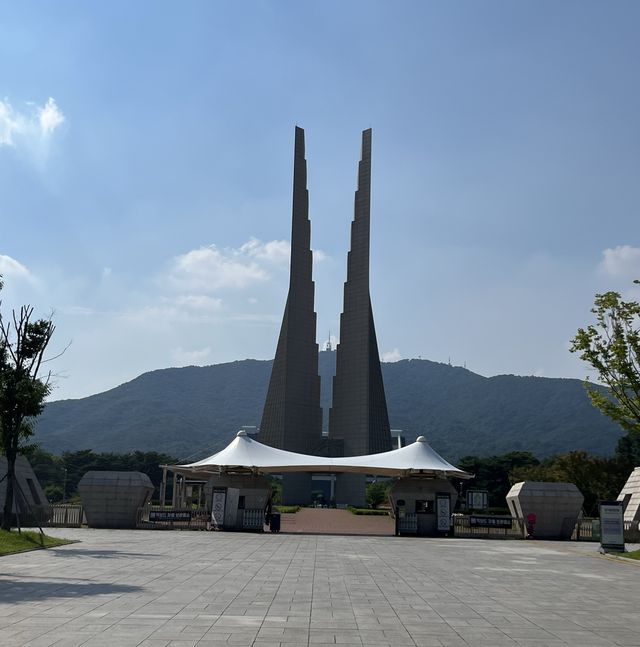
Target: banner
{"x": 443, "y": 512}
{"x": 219, "y": 499}
{"x": 476, "y": 521}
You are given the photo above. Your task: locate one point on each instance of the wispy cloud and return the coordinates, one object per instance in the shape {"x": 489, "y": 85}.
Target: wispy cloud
{"x": 622, "y": 261}
{"x": 11, "y": 268}
{"x": 199, "y": 302}
{"x": 30, "y": 128}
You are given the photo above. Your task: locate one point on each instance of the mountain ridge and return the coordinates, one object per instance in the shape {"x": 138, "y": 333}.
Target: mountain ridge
{"x": 198, "y": 409}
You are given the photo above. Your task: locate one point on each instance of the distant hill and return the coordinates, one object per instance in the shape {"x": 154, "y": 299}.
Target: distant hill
{"x": 196, "y": 411}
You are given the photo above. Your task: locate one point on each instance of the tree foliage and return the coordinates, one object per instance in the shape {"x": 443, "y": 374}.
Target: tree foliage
{"x": 377, "y": 493}
{"x": 492, "y": 473}
{"x": 23, "y": 342}
{"x": 596, "y": 477}
{"x": 59, "y": 475}
{"x": 612, "y": 347}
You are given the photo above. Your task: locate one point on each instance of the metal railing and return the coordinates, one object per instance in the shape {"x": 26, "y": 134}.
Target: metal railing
{"x": 253, "y": 519}
{"x": 407, "y": 524}
{"x": 586, "y": 529}
{"x": 65, "y": 516}
{"x": 162, "y": 518}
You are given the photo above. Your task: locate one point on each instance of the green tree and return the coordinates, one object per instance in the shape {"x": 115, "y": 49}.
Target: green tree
{"x": 596, "y": 477}
{"x": 376, "y": 493}
{"x": 612, "y": 347}
{"x": 23, "y": 342}
{"x": 492, "y": 474}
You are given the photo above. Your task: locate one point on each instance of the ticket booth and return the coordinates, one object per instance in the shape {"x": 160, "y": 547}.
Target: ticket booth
{"x": 423, "y": 506}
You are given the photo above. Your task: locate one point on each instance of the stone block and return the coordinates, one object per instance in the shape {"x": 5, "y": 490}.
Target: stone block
{"x": 556, "y": 506}
{"x": 34, "y": 506}
{"x": 630, "y": 496}
{"x": 111, "y": 499}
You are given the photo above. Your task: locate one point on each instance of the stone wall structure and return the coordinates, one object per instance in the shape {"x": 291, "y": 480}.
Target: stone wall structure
{"x": 111, "y": 499}
{"x": 35, "y": 501}
{"x": 630, "y": 496}
{"x": 556, "y": 507}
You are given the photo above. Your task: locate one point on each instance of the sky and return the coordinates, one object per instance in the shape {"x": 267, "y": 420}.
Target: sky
{"x": 146, "y": 157}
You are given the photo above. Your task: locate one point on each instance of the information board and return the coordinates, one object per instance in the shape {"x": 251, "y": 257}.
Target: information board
{"x": 477, "y": 499}
{"x": 612, "y": 525}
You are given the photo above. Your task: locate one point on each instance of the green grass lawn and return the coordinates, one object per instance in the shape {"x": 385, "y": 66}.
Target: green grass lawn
{"x": 286, "y": 508}
{"x": 634, "y": 554}
{"x": 14, "y": 542}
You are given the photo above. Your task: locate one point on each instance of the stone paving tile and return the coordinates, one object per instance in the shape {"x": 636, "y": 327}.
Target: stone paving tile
{"x": 181, "y": 589}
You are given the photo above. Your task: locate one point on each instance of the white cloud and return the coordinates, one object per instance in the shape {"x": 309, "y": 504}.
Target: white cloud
{"x": 208, "y": 269}
{"x": 273, "y": 251}
{"x": 11, "y": 268}
{"x": 392, "y": 356}
{"x": 49, "y": 117}
{"x": 182, "y": 356}
{"x": 319, "y": 256}
{"x": 32, "y": 127}
{"x": 621, "y": 261}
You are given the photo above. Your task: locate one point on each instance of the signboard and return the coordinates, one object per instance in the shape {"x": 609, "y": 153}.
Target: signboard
{"x": 219, "y": 499}
{"x": 612, "y": 525}
{"x": 169, "y": 515}
{"x": 476, "y": 521}
{"x": 443, "y": 512}
{"x": 477, "y": 499}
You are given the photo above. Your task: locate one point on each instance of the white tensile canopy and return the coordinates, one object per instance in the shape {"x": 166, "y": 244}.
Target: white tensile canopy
{"x": 245, "y": 454}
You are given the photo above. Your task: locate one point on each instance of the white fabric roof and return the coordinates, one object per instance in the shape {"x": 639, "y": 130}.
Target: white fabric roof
{"x": 244, "y": 453}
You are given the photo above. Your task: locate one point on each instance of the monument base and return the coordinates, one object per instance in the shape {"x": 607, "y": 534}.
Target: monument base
{"x": 296, "y": 489}
{"x": 351, "y": 490}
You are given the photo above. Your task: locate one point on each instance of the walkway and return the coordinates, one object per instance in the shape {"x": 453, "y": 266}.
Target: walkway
{"x": 187, "y": 589}
{"x": 336, "y": 522}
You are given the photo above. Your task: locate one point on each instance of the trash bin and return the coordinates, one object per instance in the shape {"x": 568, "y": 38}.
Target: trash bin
{"x": 275, "y": 522}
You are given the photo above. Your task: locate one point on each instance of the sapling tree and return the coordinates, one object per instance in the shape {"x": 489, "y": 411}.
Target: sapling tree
{"x": 23, "y": 388}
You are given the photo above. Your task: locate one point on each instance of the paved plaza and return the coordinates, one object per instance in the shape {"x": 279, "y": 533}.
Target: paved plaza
{"x": 182, "y": 589}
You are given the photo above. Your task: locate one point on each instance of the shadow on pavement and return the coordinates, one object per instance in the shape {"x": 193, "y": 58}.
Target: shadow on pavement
{"x": 63, "y": 551}
{"x": 16, "y": 590}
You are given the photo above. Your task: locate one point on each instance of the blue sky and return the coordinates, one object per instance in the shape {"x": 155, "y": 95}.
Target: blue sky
{"x": 146, "y": 159}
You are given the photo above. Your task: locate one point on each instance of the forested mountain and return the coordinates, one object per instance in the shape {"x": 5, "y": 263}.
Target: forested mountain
{"x": 195, "y": 411}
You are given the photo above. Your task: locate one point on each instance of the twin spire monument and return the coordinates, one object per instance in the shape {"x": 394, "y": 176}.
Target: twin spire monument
{"x": 292, "y": 416}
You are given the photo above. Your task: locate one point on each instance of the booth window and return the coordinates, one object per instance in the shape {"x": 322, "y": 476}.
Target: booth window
{"x": 424, "y": 506}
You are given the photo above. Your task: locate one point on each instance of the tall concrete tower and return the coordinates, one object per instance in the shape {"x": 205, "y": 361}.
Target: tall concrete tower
{"x": 292, "y": 416}
{"x": 358, "y": 415}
